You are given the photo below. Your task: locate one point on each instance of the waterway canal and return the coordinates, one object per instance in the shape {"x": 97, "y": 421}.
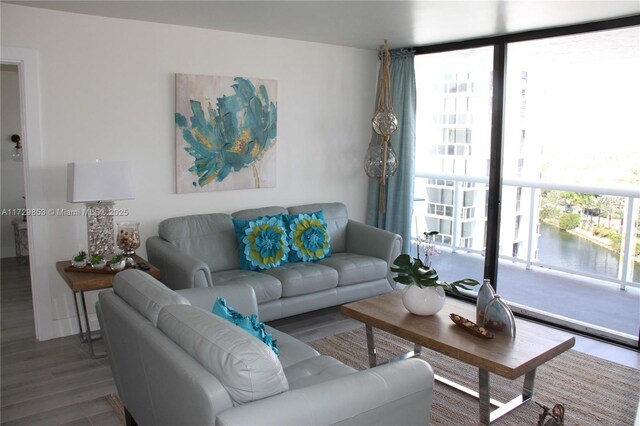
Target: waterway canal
{"x": 560, "y": 248}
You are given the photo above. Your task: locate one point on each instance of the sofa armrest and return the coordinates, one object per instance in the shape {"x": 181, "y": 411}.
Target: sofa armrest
{"x": 371, "y": 241}
{"x": 399, "y": 393}
{"x": 240, "y": 296}
{"x": 178, "y": 270}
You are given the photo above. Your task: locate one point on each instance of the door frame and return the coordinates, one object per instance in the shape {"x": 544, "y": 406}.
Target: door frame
{"x": 39, "y": 259}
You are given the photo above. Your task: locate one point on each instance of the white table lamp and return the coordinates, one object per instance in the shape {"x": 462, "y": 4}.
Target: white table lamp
{"x": 98, "y": 184}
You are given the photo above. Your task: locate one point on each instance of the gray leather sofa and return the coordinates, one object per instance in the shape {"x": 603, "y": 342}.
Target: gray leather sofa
{"x": 175, "y": 363}
{"x": 202, "y": 251}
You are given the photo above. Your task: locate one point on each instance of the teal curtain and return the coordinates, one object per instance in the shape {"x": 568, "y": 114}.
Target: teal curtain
{"x": 399, "y": 193}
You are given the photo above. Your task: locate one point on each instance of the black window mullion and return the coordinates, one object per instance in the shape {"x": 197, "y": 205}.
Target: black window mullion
{"x": 492, "y": 242}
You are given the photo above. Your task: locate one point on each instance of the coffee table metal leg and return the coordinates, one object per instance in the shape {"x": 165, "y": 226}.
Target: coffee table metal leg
{"x": 527, "y": 393}
{"x": 371, "y": 348}
{"x": 527, "y": 387}
{"x": 373, "y": 356}
{"x": 483, "y": 396}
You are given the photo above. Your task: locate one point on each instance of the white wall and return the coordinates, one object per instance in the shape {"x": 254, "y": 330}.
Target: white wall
{"x": 12, "y": 177}
{"x": 107, "y": 91}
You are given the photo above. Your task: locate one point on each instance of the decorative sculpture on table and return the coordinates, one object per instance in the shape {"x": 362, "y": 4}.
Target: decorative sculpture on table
{"x": 498, "y": 317}
{"x": 485, "y": 295}
{"x": 381, "y": 161}
{"x": 555, "y": 414}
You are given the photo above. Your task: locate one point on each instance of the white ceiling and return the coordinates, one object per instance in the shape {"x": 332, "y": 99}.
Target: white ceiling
{"x": 361, "y": 24}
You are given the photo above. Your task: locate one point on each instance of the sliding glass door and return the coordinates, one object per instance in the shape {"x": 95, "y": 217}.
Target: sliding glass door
{"x": 568, "y": 163}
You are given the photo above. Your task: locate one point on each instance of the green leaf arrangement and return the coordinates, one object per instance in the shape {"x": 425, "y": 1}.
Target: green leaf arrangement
{"x": 413, "y": 271}
{"x": 82, "y": 255}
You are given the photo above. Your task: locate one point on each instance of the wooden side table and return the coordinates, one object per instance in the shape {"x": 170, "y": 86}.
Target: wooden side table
{"x": 81, "y": 282}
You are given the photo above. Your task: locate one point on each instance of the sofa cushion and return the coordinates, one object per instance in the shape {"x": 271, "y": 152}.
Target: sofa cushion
{"x": 246, "y": 367}
{"x": 248, "y": 323}
{"x": 249, "y": 214}
{"x": 292, "y": 350}
{"x": 144, "y": 293}
{"x": 208, "y": 237}
{"x": 266, "y": 287}
{"x": 337, "y": 218}
{"x": 303, "y": 277}
{"x": 262, "y": 242}
{"x": 307, "y": 236}
{"x": 315, "y": 370}
{"x": 356, "y": 268}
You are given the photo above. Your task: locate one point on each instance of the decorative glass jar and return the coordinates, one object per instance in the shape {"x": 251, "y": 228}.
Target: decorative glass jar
{"x": 128, "y": 239}
{"x": 380, "y": 161}
{"x": 498, "y": 317}
{"x": 385, "y": 123}
{"x": 485, "y": 295}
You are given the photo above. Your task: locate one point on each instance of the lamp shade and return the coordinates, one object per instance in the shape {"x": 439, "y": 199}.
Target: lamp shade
{"x": 99, "y": 181}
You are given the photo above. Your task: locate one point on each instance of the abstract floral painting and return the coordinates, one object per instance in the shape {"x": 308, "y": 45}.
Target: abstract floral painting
{"x": 225, "y": 133}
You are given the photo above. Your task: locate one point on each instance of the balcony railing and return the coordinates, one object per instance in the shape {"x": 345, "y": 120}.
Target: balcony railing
{"x": 631, "y": 196}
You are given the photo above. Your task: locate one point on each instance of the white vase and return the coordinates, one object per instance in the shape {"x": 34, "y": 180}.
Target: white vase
{"x": 423, "y": 301}
{"x": 118, "y": 266}
{"x": 78, "y": 263}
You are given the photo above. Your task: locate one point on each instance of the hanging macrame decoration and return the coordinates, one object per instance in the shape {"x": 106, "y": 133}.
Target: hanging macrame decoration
{"x": 381, "y": 161}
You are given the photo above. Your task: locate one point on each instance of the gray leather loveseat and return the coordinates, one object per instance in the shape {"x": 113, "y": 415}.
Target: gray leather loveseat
{"x": 176, "y": 363}
{"x": 202, "y": 251}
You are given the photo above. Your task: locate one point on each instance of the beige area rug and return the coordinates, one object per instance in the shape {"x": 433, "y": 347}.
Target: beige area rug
{"x": 593, "y": 391}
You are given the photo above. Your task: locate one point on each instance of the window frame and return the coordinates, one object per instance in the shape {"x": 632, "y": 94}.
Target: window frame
{"x": 494, "y": 189}
{"x": 500, "y": 46}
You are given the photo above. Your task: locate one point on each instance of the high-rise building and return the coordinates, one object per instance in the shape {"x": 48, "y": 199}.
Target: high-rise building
{"x": 455, "y": 140}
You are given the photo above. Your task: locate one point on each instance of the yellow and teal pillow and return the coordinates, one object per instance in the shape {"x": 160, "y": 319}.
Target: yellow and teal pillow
{"x": 308, "y": 237}
{"x": 248, "y": 323}
{"x": 262, "y": 242}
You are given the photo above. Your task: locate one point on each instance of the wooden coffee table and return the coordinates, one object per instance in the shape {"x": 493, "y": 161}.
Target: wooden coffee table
{"x": 508, "y": 357}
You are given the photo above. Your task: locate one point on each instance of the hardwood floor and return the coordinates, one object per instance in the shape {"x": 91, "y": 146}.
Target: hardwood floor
{"x": 57, "y": 383}
{"x": 46, "y": 383}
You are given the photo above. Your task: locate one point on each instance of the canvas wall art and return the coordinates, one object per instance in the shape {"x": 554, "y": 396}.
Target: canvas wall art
{"x": 226, "y": 133}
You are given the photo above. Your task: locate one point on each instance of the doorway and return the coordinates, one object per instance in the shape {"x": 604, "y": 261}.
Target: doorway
{"x": 37, "y": 235}
{"x": 17, "y": 303}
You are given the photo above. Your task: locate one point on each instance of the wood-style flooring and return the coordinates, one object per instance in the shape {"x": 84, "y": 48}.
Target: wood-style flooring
{"x": 57, "y": 383}
{"x": 46, "y": 383}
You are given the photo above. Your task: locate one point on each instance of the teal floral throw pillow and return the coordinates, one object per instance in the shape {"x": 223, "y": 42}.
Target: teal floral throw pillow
{"x": 248, "y": 323}
{"x": 308, "y": 237}
{"x": 262, "y": 243}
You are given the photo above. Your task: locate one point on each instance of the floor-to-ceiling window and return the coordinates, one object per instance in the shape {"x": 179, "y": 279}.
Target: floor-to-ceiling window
{"x": 570, "y": 172}
{"x": 453, "y": 140}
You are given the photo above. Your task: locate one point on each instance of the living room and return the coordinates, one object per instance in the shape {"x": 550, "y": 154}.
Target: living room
{"x": 106, "y": 90}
